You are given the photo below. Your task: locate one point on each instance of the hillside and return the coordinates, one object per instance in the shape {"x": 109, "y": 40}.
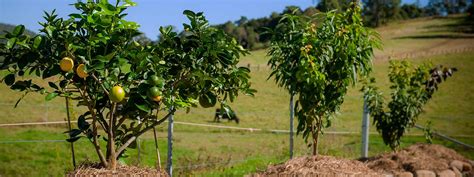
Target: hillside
{"x": 8, "y": 27}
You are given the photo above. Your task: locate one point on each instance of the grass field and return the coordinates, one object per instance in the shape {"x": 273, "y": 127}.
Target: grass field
{"x": 220, "y": 152}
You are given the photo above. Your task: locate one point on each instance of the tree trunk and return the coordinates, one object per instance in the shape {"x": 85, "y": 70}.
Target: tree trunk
{"x": 111, "y": 141}
{"x": 112, "y": 165}
{"x": 315, "y": 142}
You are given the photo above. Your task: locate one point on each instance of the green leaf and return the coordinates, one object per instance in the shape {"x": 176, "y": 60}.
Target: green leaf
{"x": 37, "y": 42}
{"x": 50, "y": 96}
{"x": 63, "y": 83}
{"x": 73, "y": 132}
{"x": 82, "y": 123}
{"x": 143, "y": 107}
{"x": 73, "y": 139}
{"x": 9, "y": 79}
{"x": 75, "y": 15}
{"x": 11, "y": 42}
{"x": 49, "y": 30}
{"x": 18, "y": 30}
{"x": 52, "y": 85}
{"x": 129, "y": 3}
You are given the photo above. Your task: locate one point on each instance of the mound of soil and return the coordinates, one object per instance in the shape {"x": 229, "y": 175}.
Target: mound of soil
{"x": 89, "y": 169}
{"x": 319, "y": 166}
{"x": 431, "y": 157}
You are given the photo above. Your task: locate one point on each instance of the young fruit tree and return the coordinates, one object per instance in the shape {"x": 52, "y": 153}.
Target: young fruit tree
{"x": 92, "y": 58}
{"x": 319, "y": 61}
{"x": 412, "y": 87}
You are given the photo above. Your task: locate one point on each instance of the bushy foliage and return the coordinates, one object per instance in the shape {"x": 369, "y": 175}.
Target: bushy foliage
{"x": 470, "y": 11}
{"x": 92, "y": 57}
{"x": 412, "y": 87}
{"x": 318, "y": 62}
{"x": 409, "y": 11}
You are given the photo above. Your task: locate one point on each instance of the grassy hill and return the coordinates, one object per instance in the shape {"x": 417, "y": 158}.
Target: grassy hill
{"x": 209, "y": 151}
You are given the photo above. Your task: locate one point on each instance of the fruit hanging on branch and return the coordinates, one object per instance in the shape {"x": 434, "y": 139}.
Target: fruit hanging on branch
{"x": 81, "y": 71}
{"x": 117, "y": 94}
{"x": 66, "y": 64}
{"x": 120, "y": 82}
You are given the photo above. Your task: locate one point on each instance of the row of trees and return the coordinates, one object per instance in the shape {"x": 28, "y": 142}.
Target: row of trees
{"x": 318, "y": 63}
{"x": 248, "y": 32}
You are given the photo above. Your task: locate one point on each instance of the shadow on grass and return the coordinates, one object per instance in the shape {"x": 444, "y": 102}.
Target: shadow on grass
{"x": 462, "y": 24}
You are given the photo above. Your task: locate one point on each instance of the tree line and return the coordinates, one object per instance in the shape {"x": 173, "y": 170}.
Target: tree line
{"x": 250, "y": 32}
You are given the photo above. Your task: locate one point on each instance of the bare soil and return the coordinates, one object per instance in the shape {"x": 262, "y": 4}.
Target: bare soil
{"x": 416, "y": 157}
{"x": 94, "y": 169}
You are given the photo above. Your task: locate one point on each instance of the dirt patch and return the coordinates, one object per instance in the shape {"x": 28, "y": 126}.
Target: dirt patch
{"x": 416, "y": 157}
{"x": 319, "y": 166}
{"x": 93, "y": 169}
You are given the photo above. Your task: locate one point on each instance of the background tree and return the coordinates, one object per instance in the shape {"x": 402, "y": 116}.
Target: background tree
{"x": 409, "y": 11}
{"x": 328, "y": 5}
{"x": 411, "y": 89}
{"x": 92, "y": 58}
{"x": 379, "y": 12}
{"x": 319, "y": 63}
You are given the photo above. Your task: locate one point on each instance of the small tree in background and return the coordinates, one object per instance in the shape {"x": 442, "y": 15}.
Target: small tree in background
{"x": 318, "y": 62}
{"x": 92, "y": 57}
{"x": 411, "y": 88}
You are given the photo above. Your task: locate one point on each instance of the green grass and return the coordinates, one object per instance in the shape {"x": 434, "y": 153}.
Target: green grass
{"x": 215, "y": 152}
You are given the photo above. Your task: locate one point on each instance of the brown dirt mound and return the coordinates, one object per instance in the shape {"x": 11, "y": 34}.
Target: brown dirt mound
{"x": 416, "y": 157}
{"x": 319, "y": 166}
{"x": 89, "y": 169}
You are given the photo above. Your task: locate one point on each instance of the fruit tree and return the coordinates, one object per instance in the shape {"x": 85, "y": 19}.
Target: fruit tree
{"x": 92, "y": 57}
{"x": 412, "y": 87}
{"x": 318, "y": 61}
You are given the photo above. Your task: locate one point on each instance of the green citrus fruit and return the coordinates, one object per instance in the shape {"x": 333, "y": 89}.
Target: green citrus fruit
{"x": 207, "y": 100}
{"x": 155, "y": 81}
{"x": 117, "y": 94}
{"x": 154, "y": 92}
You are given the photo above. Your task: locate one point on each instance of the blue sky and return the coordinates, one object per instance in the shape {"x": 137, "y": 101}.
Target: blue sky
{"x": 151, "y": 14}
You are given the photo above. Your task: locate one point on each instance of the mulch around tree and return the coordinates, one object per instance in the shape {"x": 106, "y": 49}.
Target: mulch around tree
{"x": 418, "y": 157}
{"x": 326, "y": 166}
{"x": 431, "y": 157}
{"x": 94, "y": 169}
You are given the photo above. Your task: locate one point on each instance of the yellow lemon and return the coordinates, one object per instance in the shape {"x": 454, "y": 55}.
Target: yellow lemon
{"x": 117, "y": 94}
{"x": 66, "y": 64}
{"x": 80, "y": 71}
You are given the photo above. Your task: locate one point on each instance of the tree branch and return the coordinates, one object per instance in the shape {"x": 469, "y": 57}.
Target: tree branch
{"x": 100, "y": 83}
{"x": 94, "y": 130}
{"x": 133, "y": 138}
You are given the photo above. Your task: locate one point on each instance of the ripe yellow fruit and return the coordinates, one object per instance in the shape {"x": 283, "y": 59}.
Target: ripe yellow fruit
{"x": 117, "y": 94}
{"x": 66, "y": 64}
{"x": 80, "y": 71}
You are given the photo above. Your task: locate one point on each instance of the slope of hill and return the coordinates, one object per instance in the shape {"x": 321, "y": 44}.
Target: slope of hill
{"x": 8, "y": 27}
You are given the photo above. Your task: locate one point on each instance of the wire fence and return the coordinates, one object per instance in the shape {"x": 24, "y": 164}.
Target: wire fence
{"x": 193, "y": 165}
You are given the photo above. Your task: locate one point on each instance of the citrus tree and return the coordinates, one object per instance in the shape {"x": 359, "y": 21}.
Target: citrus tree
{"x": 319, "y": 61}
{"x": 91, "y": 57}
{"x": 411, "y": 88}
